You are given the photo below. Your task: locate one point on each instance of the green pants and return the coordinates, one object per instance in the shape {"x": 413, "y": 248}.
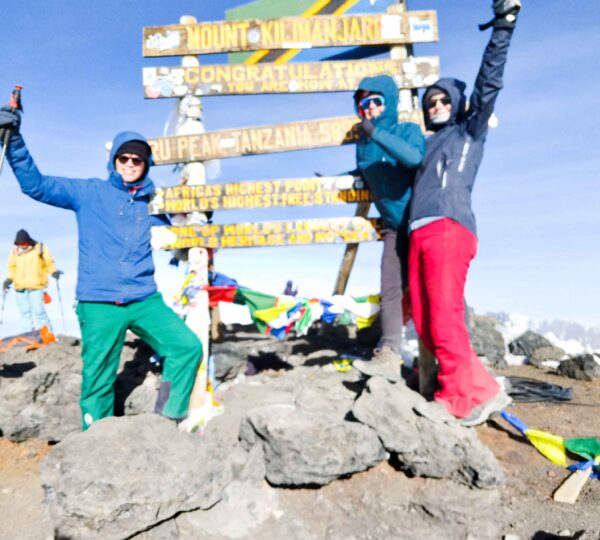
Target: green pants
{"x": 103, "y": 328}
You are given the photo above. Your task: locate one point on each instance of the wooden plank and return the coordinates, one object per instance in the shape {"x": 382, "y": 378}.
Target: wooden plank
{"x": 300, "y": 232}
{"x": 311, "y": 191}
{"x": 260, "y": 140}
{"x": 569, "y": 490}
{"x": 290, "y": 33}
{"x": 232, "y": 79}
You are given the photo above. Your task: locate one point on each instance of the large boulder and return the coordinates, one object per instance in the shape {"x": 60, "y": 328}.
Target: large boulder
{"x": 527, "y": 343}
{"x": 381, "y": 503}
{"x": 585, "y": 367}
{"x": 303, "y": 447}
{"x": 545, "y": 354}
{"x": 425, "y": 447}
{"x": 487, "y": 341}
{"x": 124, "y": 475}
{"x": 39, "y": 392}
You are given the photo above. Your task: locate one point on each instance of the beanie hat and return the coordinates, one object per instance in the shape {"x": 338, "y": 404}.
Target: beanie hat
{"x": 24, "y": 238}
{"x": 139, "y": 148}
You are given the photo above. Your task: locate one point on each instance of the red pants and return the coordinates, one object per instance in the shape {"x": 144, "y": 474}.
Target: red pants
{"x": 439, "y": 257}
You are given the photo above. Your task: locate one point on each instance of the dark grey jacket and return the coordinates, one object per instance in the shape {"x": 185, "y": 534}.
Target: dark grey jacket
{"x": 445, "y": 178}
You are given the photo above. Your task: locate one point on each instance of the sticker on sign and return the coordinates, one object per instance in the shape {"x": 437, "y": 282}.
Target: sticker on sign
{"x": 420, "y": 29}
{"x": 390, "y": 27}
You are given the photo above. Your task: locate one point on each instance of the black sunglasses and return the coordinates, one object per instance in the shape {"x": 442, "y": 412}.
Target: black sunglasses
{"x": 135, "y": 160}
{"x": 433, "y": 101}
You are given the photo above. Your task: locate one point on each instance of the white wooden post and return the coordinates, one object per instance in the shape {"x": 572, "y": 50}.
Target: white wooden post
{"x": 198, "y": 317}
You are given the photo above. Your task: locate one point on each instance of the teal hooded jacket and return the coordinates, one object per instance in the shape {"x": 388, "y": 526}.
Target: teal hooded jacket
{"x": 388, "y": 159}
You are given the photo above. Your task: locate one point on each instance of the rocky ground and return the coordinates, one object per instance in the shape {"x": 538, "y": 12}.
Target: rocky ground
{"x": 384, "y": 501}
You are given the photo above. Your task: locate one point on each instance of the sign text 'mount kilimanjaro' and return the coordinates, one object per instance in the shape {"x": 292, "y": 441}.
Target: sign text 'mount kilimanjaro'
{"x": 312, "y": 191}
{"x": 270, "y": 233}
{"x": 260, "y": 139}
{"x": 290, "y": 33}
{"x": 298, "y": 77}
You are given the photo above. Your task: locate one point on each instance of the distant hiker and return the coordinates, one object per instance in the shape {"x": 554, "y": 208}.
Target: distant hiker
{"x": 290, "y": 290}
{"x": 29, "y": 264}
{"x": 387, "y": 155}
{"x": 116, "y": 290}
{"x": 443, "y": 236}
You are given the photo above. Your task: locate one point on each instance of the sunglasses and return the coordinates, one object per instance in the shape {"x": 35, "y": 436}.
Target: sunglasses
{"x": 433, "y": 101}
{"x": 365, "y": 103}
{"x": 135, "y": 160}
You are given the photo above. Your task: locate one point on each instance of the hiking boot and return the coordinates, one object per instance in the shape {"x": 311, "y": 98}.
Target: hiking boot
{"x": 485, "y": 410}
{"x": 385, "y": 354}
{"x": 435, "y": 411}
{"x": 384, "y": 363}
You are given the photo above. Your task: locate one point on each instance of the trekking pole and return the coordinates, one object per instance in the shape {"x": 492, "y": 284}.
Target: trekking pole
{"x": 2, "y": 313}
{"x": 62, "y": 313}
{"x": 15, "y": 105}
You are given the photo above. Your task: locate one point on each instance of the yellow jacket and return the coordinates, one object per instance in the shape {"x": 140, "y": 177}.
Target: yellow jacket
{"x": 30, "y": 270}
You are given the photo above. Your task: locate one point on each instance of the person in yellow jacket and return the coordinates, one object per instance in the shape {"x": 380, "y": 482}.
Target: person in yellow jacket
{"x": 29, "y": 264}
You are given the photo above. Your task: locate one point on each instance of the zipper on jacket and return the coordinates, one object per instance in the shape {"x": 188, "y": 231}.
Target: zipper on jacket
{"x": 441, "y": 171}
{"x": 463, "y": 156}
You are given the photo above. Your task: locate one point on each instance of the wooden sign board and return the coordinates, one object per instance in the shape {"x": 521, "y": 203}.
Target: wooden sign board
{"x": 290, "y": 33}
{"x": 300, "y": 232}
{"x": 313, "y": 191}
{"x": 261, "y": 139}
{"x": 228, "y": 79}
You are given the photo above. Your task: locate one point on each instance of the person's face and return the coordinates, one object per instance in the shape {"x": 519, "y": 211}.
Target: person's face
{"x": 439, "y": 103}
{"x": 371, "y": 104}
{"x": 130, "y": 167}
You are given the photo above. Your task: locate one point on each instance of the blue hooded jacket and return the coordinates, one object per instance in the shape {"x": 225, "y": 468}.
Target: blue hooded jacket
{"x": 444, "y": 181}
{"x": 115, "y": 257}
{"x": 387, "y": 160}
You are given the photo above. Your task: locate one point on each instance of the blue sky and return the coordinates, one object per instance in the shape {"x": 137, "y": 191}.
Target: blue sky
{"x": 536, "y": 198}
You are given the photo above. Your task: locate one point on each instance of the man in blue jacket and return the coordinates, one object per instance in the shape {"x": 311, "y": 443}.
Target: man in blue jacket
{"x": 116, "y": 290}
{"x": 387, "y": 156}
{"x": 443, "y": 236}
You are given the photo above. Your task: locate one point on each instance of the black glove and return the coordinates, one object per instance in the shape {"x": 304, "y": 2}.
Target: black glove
{"x": 57, "y": 274}
{"x": 367, "y": 127}
{"x": 6, "y": 285}
{"x": 505, "y": 14}
{"x": 10, "y": 119}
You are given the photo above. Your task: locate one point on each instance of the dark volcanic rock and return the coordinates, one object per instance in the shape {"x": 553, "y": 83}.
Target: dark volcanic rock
{"x": 584, "y": 367}
{"x": 124, "y": 475}
{"x": 425, "y": 448}
{"x": 487, "y": 341}
{"x": 527, "y": 343}
{"x": 544, "y": 354}
{"x": 39, "y": 392}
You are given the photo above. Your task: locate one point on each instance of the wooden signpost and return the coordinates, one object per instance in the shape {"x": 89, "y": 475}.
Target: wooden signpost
{"x": 290, "y": 33}
{"x": 299, "y": 232}
{"x": 312, "y": 191}
{"x": 260, "y": 139}
{"x": 228, "y": 79}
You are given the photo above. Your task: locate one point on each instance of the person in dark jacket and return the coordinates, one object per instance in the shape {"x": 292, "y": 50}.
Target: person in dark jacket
{"x": 116, "y": 290}
{"x": 387, "y": 155}
{"x": 443, "y": 235}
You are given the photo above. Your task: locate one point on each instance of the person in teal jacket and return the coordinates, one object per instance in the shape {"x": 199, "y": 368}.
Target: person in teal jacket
{"x": 387, "y": 155}
{"x": 116, "y": 290}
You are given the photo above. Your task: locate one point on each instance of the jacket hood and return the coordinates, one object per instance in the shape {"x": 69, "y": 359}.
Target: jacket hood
{"x": 24, "y": 238}
{"x": 119, "y": 140}
{"x": 387, "y": 87}
{"x": 145, "y": 183}
{"x": 456, "y": 90}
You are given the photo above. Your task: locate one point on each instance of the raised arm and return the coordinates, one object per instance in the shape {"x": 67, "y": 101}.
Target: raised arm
{"x": 489, "y": 80}
{"x": 53, "y": 190}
